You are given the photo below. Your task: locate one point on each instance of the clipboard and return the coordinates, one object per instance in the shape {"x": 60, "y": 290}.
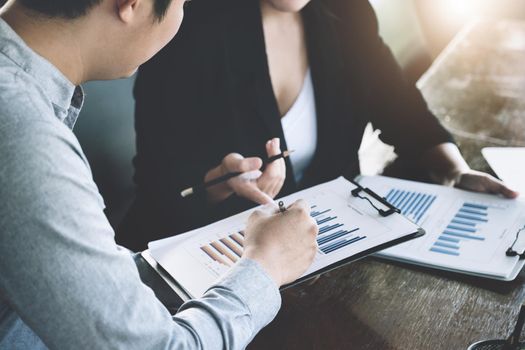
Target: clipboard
{"x": 385, "y": 209}
{"x": 467, "y": 232}
{"x": 193, "y": 261}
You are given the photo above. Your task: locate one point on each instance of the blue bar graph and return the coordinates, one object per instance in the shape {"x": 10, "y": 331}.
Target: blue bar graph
{"x": 446, "y": 245}
{"x": 444, "y": 251}
{"x": 325, "y": 229}
{"x": 463, "y": 222}
{"x": 461, "y": 228}
{"x": 338, "y": 234}
{"x": 463, "y": 235}
{"x": 424, "y": 209}
{"x": 476, "y": 206}
{"x": 340, "y": 244}
{"x": 464, "y": 227}
{"x": 413, "y": 205}
{"x": 315, "y": 214}
{"x": 449, "y": 239}
{"x": 325, "y": 220}
{"x": 475, "y": 212}
{"x": 333, "y": 235}
{"x": 460, "y": 215}
{"x": 394, "y": 195}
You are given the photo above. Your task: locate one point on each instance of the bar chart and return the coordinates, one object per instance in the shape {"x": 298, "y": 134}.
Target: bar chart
{"x": 348, "y": 228}
{"x": 466, "y": 231}
{"x": 412, "y": 204}
{"x": 332, "y": 236}
{"x": 466, "y": 225}
{"x": 227, "y": 250}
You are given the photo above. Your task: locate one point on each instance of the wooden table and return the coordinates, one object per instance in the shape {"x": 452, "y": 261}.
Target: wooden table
{"x": 477, "y": 88}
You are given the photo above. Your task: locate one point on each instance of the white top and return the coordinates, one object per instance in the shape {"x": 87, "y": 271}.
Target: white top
{"x": 300, "y": 128}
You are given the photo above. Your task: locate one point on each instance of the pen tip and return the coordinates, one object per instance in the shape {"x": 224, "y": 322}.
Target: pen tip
{"x": 287, "y": 153}
{"x": 187, "y": 192}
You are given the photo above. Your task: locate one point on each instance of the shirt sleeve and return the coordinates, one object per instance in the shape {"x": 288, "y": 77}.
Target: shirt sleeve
{"x": 65, "y": 277}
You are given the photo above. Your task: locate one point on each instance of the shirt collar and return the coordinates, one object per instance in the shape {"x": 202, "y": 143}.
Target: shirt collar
{"x": 67, "y": 99}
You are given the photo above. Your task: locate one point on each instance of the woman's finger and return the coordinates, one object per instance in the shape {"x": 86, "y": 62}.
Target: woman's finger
{"x": 497, "y": 187}
{"x": 251, "y": 192}
{"x": 275, "y": 171}
{"x": 481, "y": 182}
{"x": 234, "y": 163}
{"x": 273, "y": 147}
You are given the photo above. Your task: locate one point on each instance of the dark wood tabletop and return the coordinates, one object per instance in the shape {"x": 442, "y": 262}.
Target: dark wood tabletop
{"x": 477, "y": 88}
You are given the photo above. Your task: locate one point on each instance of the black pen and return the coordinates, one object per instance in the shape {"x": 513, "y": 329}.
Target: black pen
{"x": 189, "y": 191}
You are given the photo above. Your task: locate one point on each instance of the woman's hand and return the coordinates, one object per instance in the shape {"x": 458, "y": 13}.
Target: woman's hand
{"x": 255, "y": 185}
{"x": 447, "y": 167}
{"x": 477, "y": 181}
{"x": 273, "y": 176}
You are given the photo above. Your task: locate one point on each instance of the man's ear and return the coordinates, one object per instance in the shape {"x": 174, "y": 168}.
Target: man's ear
{"x": 126, "y": 9}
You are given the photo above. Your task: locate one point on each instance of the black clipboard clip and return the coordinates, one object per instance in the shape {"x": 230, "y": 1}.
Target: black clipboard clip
{"x": 356, "y": 192}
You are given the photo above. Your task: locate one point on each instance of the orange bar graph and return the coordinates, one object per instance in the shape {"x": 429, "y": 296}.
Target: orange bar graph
{"x": 212, "y": 254}
{"x": 232, "y": 246}
{"x": 224, "y": 251}
{"x": 238, "y": 238}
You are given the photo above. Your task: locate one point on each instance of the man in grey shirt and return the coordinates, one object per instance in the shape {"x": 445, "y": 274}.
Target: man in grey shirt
{"x": 64, "y": 283}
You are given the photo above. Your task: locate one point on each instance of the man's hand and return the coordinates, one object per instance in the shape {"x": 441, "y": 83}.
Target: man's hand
{"x": 259, "y": 187}
{"x": 284, "y": 244}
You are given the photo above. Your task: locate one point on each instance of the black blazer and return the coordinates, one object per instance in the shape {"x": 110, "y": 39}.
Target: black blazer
{"x": 209, "y": 93}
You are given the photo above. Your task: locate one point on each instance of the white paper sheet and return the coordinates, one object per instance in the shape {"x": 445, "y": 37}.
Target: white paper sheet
{"x": 347, "y": 225}
{"x": 466, "y": 232}
{"x": 509, "y": 164}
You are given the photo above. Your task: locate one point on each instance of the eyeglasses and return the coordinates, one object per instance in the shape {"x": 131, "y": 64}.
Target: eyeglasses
{"x": 511, "y": 251}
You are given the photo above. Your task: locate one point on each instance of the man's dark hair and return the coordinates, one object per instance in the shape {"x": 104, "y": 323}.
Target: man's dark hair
{"x": 71, "y": 9}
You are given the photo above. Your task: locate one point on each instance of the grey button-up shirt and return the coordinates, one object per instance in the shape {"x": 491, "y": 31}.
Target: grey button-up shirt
{"x": 64, "y": 283}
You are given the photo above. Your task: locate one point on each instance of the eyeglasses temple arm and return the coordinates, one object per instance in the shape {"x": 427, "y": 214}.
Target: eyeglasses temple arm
{"x": 514, "y": 339}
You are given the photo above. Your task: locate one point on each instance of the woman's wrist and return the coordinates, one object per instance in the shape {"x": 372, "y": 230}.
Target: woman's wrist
{"x": 453, "y": 177}
{"x": 445, "y": 164}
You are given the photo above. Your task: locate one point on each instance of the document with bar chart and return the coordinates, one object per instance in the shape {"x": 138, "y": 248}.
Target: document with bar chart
{"x": 465, "y": 232}
{"x": 349, "y": 228}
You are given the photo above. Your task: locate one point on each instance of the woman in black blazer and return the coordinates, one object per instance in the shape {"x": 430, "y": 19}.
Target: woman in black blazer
{"x": 221, "y": 89}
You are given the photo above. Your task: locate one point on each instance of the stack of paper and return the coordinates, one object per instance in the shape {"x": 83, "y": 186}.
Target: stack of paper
{"x": 349, "y": 228}
{"x": 466, "y": 232}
